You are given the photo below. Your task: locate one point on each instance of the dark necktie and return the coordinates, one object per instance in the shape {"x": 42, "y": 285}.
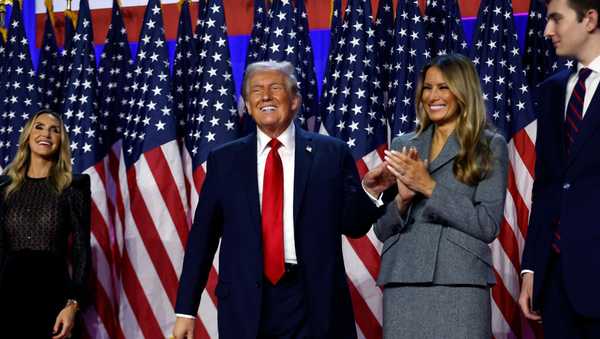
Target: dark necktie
{"x": 573, "y": 120}
{"x": 574, "y": 114}
{"x": 272, "y": 215}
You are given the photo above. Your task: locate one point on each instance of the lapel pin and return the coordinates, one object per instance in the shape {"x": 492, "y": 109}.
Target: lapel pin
{"x": 308, "y": 149}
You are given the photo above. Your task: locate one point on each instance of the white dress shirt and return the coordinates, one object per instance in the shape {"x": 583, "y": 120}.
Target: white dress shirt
{"x": 286, "y": 152}
{"x": 591, "y": 84}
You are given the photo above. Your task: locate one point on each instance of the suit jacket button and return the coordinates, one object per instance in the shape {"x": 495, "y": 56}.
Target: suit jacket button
{"x": 566, "y": 186}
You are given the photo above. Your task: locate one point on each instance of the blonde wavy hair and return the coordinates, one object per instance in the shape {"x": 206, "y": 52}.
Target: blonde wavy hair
{"x": 474, "y": 159}
{"x": 60, "y": 175}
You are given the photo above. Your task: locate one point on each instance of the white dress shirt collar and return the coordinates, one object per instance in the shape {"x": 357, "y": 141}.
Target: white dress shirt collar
{"x": 594, "y": 65}
{"x": 286, "y": 138}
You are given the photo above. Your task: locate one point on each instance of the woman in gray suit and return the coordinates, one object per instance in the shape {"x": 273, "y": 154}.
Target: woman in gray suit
{"x": 436, "y": 266}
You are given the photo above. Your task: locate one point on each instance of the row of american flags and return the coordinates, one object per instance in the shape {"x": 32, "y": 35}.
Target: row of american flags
{"x": 142, "y": 128}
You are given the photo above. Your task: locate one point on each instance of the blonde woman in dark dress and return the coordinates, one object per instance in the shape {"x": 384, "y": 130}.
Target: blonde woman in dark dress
{"x": 44, "y": 227}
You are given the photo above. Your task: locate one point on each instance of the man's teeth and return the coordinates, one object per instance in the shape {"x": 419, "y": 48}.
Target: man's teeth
{"x": 268, "y": 109}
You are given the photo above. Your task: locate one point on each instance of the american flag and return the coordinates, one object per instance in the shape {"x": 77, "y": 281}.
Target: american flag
{"x": 286, "y": 39}
{"x": 497, "y": 57}
{"x": 445, "y": 32}
{"x": 70, "y": 23}
{"x": 49, "y": 79}
{"x": 151, "y": 192}
{"x": 336, "y": 18}
{"x": 351, "y": 109}
{"x": 410, "y": 53}
{"x": 114, "y": 78}
{"x": 79, "y": 101}
{"x": 260, "y": 26}
{"x": 18, "y": 91}
{"x": 540, "y": 60}
{"x": 88, "y": 146}
{"x": 212, "y": 120}
{"x": 102, "y": 321}
{"x": 184, "y": 66}
{"x": 384, "y": 31}
{"x": 305, "y": 64}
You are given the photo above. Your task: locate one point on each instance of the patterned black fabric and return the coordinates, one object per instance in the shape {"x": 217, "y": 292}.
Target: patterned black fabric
{"x": 37, "y": 218}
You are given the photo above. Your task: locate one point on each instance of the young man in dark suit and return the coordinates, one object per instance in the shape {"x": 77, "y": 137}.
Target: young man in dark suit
{"x": 561, "y": 260}
{"x": 279, "y": 201}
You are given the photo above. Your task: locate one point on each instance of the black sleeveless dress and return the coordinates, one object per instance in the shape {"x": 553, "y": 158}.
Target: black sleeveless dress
{"x": 44, "y": 255}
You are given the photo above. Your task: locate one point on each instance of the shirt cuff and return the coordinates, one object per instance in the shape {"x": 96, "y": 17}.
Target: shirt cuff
{"x": 378, "y": 201}
{"x": 185, "y": 316}
{"x": 526, "y": 271}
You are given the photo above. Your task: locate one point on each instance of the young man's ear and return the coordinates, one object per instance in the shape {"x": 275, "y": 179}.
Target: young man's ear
{"x": 592, "y": 16}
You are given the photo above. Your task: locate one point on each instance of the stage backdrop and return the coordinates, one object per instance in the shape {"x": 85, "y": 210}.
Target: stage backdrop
{"x": 239, "y": 16}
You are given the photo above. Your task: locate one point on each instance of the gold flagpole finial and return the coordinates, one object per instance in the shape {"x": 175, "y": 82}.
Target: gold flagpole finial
{"x": 3, "y": 32}
{"x": 50, "y": 8}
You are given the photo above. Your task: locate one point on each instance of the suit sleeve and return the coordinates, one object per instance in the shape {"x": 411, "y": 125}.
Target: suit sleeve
{"x": 202, "y": 243}
{"x": 479, "y": 216}
{"x": 539, "y": 184}
{"x": 359, "y": 211}
{"x": 80, "y": 204}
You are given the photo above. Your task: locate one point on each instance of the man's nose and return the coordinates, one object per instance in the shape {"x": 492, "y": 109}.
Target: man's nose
{"x": 266, "y": 94}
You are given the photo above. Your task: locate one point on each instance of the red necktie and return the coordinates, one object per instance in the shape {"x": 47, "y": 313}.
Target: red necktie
{"x": 272, "y": 215}
{"x": 575, "y": 108}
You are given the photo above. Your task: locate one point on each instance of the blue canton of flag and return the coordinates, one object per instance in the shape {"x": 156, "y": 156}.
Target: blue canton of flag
{"x": 540, "y": 60}
{"x": 202, "y": 12}
{"x": 305, "y": 63}
{"x": 336, "y": 27}
{"x": 49, "y": 79}
{"x": 384, "y": 31}
{"x": 79, "y": 107}
{"x": 256, "y": 45}
{"x": 498, "y": 61}
{"x": 409, "y": 55}
{"x": 184, "y": 66}
{"x": 18, "y": 93}
{"x": 351, "y": 102}
{"x": 69, "y": 25}
{"x": 114, "y": 79}
{"x": 445, "y": 32}
{"x": 150, "y": 122}
{"x": 213, "y": 117}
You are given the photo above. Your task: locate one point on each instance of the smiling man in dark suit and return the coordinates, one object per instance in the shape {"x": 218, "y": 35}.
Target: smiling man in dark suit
{"x": 561, "y": 260}
{"x": 279, "y": 200}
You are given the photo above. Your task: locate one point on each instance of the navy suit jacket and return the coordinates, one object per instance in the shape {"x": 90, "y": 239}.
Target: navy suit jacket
{"x": 566, "y": 188}
{"x": 328, "y": 202}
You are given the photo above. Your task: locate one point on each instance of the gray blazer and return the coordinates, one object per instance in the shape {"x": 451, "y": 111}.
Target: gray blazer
{"x": 444, "y": 239}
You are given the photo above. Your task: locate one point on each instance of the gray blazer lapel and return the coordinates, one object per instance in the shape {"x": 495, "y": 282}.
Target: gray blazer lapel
{"x": 447, "y": 153}
{"x": 302, "y": 166}
{"x": 422, "y": 142}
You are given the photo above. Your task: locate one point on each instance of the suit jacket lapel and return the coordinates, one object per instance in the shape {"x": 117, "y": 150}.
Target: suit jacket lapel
{"x": 558, "y": 118}
{"x": 422, "y": 142}
{"x": 423, "y": 145}
{"x": 447, "y": 154}
{"x": 249, "y": 174}
{"x": 590, "y": 123}
{"x": 303, "y": 159}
